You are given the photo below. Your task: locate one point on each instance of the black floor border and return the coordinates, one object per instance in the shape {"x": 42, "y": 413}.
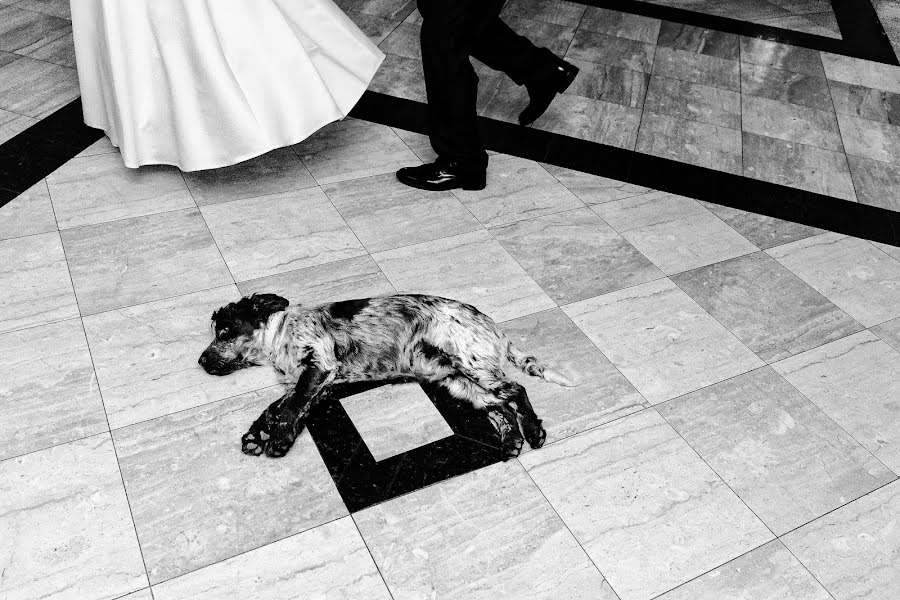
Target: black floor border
{"x": 861, "y": 29}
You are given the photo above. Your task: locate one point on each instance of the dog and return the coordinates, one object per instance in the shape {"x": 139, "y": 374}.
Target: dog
{"x": 406, "y": 336}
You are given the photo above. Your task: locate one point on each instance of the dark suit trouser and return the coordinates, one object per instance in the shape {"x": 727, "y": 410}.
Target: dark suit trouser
{"x": 452, "y": 31}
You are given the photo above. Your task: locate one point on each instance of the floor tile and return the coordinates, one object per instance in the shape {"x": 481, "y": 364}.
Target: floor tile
{"x": 12, "y": 124}
{"x": 472, "y": 268}
{"x": 486, "y": 534}
{"x": 766, "y": 306}
{"x": 101, "y": 146}
{"x": 697, "y": 68}
{"x": 767, "y": 53}
{"x": 690, "y": 142}
{"x": 593, "y": 189}
{"x": 376, "y": 28}
{"x": 346, "y": 279}
{"x": 610, "y": 84}
{"x": 271, "y": 173}
{"x": 593, "y": 120}
{"x": 861, "y": 72}
{"x": 648, "y": 209}
{"x": 35, "y": 89}
{"x": 196, "y": 499}
{"x": 60, "y": 52}
{"x": 49, "y": 389}
{"x": 35, "y": 282}
{"x": 146, "y": 357}
{"x": 856, "y": 276}
{"x": 785, "y": 86}
{"x": 385, "y": 214}
{"x": 394, "y": 419}
{"x": 856, "y": 381}
{"x": 559, "y": 12}
{"x": 876, "y": 182}
{"x": 517, "y": 189}
{"x": 871, "y": 139}
{"x": 854, "y": 551}
{"x": 602, "y": 395}
{"x": 769, "y": 572}
{"x": 138, "y": 595}
{"x": 24, "y": 31}
{"x": 399, "y": 77}
{"x": 762, "y": 231}
{"x": 30, "y": 213}
{"x": 619, "y": 24}
{"x": 66, "y": 527}
{"x": 613, "y": 51}
{"x": 791, "y": 122}
{"x": 552, "y": 36}
{"x": 278, "y": 233}
{"x": 866, "y": 103}
{"x": 387, "y": 9}
{"x": 330, "y": 561}
{"x": 691, "y": 38}
{"x": 784, "y": 457}
{"x": 575, "y": 255}
{"x": 694, "y": 101}
{"x": 55, "y": 8}
{"x": 798, "y": 165}
{"x": 351, "y": 149}
{"x": 637, "y": 497}
{"x": 889, "y": 331}
{"x": 403, "y": 41}
{"x": 143, "y": 259}
{"x": 100, "y": 188}
{"x": 661, "y": 340}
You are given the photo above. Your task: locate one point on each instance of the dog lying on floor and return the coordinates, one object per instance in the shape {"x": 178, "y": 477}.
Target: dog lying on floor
{"x": 426, "y": 338}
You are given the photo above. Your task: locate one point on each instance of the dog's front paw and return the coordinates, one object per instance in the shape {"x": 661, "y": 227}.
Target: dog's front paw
{"x": 254, "y": 442}
{"x": 535, "y": 434}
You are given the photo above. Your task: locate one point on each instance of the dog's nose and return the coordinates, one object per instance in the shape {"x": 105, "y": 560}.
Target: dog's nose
{"x": 202, "y": 360}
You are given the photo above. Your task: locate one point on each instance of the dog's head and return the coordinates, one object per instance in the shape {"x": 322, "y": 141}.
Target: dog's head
{"x": 236, "y": 326}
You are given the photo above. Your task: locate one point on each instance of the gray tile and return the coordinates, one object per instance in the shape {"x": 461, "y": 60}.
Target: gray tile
{"x": 791, "y": 123}
{"x": 330, "y": 561}
{"x": 690, "y": 142}
{"x": 400, "y": 77}
{"x": 870, "y": 139}
{"x": 101, "y": 146}
{"x": 396, "y": 10}
{"x": 100, "y": 188}
{"x": 603, "y": 394}
{"x": 631, "y": 492}
{"x": 762, "y": 231}
{"x": 619, "y": 24}
{"x": 35, "y": 282}
{"x": 861, "y": 72}
{"x": 271, "y": 173}
{"x": 611, "y": 84}
{"x": 853, "y": 551}
{"x": 394, "y": 419}
{"x": 786, "y": 459}
{"x": 593, "y": 189}
{"x": 559, "y": 12}
{"x": 59, "y": 52}
{"x": 697, "y": 68}
{"x": 146, "y": 357}
{"x": 23, "y": 31}
{"x": 889, "y": 331}
{"x": 877, "y": 183}
{"x": 852, "y": 273}
{"x": 866, "y": 103}
{"x": 66, "y": 528}
{"x": 613, "y": 51}
{"x": 196, "y": 499}
{"x": 484, "y": 535}
{"x": 517, "y": 189}
{"x": 55, "y": 8}
{"x": 769, "y": 572}
{"x": 342, "y": 280}
{"x": 143, "y": 259}
{"x": 593, "y": 120}
{"x": 691, "y": 38}
{"x": 35, "y": 89}
{"x": 29, "y": 213}
{"x": 648, "y": 209}
{"x": 798, "y": 165}
{"x": 766, "y": 306}
{"x": 661, "y": 340}
{"x": 694, "y": 102}
{"x": 385, "y": 214}
{"x": 552, "y": 36}
{"x": 785, "y": 86}
{"x": 856, "y": 381}
{"x": 781, "y": 56}
{"x": 473, "y": 268}
{"x": 575, "y": 255}
{"x": 376, "y": 28}
{"x": 403, "y": 41}
{"x": 278, "y": 233}
{"x": 49, "y": 388}
{"x": 12, "y": 124}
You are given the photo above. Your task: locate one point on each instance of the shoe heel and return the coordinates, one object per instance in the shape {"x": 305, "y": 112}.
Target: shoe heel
{"x": 475, "y": 186}
{"x": 566, "y": 81}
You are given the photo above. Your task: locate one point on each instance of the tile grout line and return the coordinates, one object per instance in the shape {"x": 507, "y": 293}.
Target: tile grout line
{"x": 840, "y": 131}
{"x": 369, "y": 550}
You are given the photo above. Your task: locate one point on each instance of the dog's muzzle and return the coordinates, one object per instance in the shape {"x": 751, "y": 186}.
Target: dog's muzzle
{"x": 213, "y": 364}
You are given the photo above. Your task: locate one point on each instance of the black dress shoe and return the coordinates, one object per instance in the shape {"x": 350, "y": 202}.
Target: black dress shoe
{"x": 541, "y": 95}
{"x": 443, "y": 174}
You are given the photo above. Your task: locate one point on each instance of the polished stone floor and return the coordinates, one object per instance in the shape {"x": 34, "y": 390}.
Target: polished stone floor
{"x": 735, "y": 433}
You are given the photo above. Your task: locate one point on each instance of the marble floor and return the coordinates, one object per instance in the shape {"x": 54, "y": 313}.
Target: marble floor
{"x": 735, "y": 433}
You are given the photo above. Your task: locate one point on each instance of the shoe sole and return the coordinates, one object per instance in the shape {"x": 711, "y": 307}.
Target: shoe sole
{"x": 443, "y": 188}
{"x": 562, "y": 87}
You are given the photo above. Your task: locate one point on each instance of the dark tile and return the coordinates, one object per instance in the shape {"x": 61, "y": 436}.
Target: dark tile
{"x": 694, "y": 101}
{"x": 690, "y": 142}
{"x": 619, "y": 24}
{"x": 791, "y": 122}
{"x": 613, "y": 51}
{"x": 697, "y": 68}
{"x": 610, "y": 84}
{"x": 781, "y": 56}
{"x": 594, "y": 120}
{"x": 785, "y": 86}
{"x": 765, "y": 232}
{"x": 400, "y": 77}
{"x": 877, "y": 183}
{"x": 698, "y": 40}
{"x": 552, "y": 36}
{"x": 866, "y": 103}
{"x": 558, "y": 12}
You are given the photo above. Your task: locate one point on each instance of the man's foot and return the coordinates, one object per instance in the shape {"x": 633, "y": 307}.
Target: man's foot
{"x": 443, "y": 174}
{"x": 541, "y": 95}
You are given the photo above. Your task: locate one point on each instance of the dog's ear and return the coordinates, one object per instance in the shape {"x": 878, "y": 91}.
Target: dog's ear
{"x": 265, "y": 305}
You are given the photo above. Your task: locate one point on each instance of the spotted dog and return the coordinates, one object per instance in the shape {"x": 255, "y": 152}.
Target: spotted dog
{"x": 407, "y": 336}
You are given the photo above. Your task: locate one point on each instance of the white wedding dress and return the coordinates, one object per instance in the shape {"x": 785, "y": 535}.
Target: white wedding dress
{"x": 207, "y": 83}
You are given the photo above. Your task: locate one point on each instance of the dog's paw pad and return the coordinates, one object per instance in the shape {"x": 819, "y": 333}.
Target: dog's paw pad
{"x": 251, "y": 444}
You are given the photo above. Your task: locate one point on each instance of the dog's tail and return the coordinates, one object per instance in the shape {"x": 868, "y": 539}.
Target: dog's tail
{"x": 532, "y": 366}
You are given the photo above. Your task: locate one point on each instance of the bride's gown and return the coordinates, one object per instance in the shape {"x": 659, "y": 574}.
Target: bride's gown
{"x": 206, "y": 83}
